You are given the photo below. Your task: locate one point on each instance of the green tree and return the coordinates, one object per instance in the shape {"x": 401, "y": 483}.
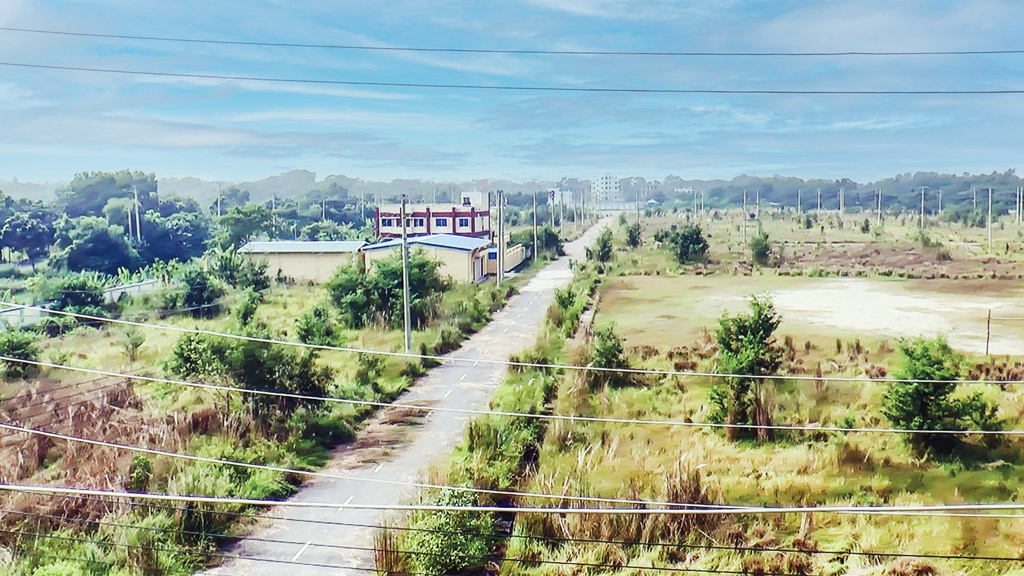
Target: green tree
{"x": 90, "y": 243}
{"x": 316, "y": 326}
{"x": 688, "y": 245}
{"x": 199, "y": 292}
{"x": 28, "y": 234}
{"x": 80, "y": 292}
{"x": 761, "y": 249}
{"x": 607, "y": 352}
{"x": 451, "y": 542}
{"x": 131, "y": 341}
{"x": 602, "y": 251}
{"x": 633, "y": 235}
{"x": 746, "y": 349}
{"x": 240, "y": 224}
{"x": 327, "y": 230}
{"x": 18, "y": 344}
{"x": 925, "y": 402}
{"x": 376, "y": 295}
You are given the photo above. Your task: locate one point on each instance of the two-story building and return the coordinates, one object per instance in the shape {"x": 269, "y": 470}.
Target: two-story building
{"x": 470, "y": 216}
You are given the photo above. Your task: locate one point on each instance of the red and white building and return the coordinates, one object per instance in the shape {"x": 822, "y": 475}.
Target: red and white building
{"x": 471, "y": 216}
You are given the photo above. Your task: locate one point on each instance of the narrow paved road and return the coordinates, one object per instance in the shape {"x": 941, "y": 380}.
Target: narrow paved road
{"x": 394, "y": 447}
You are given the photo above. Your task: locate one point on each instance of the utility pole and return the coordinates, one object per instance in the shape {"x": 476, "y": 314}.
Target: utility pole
{"x": 218, "y": 200}
{"x": 922, "y": 207}
{"x": 535, "y": 246}
{"x": 974, "y": 193}
{"x": 799, "y": 207}
{"x": 819, "y": 199}
{"x": 842, "y": 191}
{"x": 757, "y": 209}
{"x": 990, "y": 220}
{"x": 940, "y": 201}
{"x": 501, "y": 237}
{"x": 362, "y": 206}
{"x": 138, "y": 223}
{"x": 561, "y": 213}
{"x": 879, "y": 221}
{"x": 636, "y": 191}
{"x": 405, "y": 282}
{"x": 744, "y": 216}
{"x": 323, "y": 208}
{"x": 273, "y": 215}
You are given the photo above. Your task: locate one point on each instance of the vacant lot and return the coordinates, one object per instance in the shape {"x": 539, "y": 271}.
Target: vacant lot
{"x": 665, "y": 311}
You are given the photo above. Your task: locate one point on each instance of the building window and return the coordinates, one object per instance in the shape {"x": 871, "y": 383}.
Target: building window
{"x": 441, "y": 222}
{"x": 492, "y": 255}
{"x": 463, "y": 222}
{"x": 386, "y": 222}
{"x": 418, "y": 222}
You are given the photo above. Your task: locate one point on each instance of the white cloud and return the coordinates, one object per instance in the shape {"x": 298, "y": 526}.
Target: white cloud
{"x": 279, "y": 87}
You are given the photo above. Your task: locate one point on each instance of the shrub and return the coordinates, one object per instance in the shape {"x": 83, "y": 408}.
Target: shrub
{"x": 602, "y": 251}
{"x": 688, "y": 245}
{"x": 450, "y": 542}
{"x": 317, "y": 326}
{"x": 633, "y": 235}
{"x": 925, "y": 402}
{"x": 761, "y": 249}
{"x": 18, "y": 344}
{"x": 606, "y": 352}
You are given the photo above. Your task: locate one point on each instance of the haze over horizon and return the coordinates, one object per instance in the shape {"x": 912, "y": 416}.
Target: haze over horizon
{"x": 61, "y": 122}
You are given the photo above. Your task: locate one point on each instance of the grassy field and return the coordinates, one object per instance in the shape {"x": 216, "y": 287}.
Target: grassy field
{"x": 667, "y": 316}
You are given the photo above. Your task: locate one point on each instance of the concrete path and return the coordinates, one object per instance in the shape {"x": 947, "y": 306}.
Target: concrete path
{"x": 398, "y": 446}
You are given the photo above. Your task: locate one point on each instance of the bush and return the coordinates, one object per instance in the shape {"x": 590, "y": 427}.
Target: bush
{"x": 688, "y": 245}
{"x": 317, "y": 326}
{"x": 925, "y": 402}
{"x": 364, "y": 297}
{"x": 602, "y": 251}
{"x": 606, "y": 352}
{"x": 18, "y": 344}
{"x": 633, "y": 235}
{"x": 450, "y": 542}
{"x": 761, "y": 249}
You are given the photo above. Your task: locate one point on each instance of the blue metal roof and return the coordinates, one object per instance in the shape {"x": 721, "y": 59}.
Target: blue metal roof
{"x": 449, "y": 241}
{"x": 303, "y": 247}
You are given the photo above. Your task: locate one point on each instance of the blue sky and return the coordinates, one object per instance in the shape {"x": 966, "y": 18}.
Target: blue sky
{"x": 56, "y": 123}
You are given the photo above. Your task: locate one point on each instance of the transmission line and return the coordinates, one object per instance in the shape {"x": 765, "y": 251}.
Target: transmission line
{"x": 508, "y": 51}
{"x": 512, "y": 88}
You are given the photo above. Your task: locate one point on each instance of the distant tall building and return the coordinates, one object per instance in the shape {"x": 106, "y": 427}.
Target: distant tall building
{"x": 606, "y": 189}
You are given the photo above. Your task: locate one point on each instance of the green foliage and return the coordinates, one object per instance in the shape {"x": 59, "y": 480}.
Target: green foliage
{"x": 633, "y": 235}
{"x": 865, "y": 226}
{"x": 376, "y": 295}
{"x": 18, "y": 344}
{"x": 139, "y": 474}
{"x": 606, "y": 352}
{"x": 602, "y": 251}
{"x": 241, "y": 224}
{"x": 248, "y": 303}
{"x": 81, "y": 293}
{"x": 926, "y": 402}
{"x": 746, "y": 347}
{"x": 317, "y": 326}
{"x": 327, "y": 230}
{"x": 131, "y": 341}
{"x": 197, "y": 356}
{"x": 236, "y": 270}
{"x": 88, "y": 193}
{"x": 450, "y": 542}
{"x": 548, "y": 241}
{"x": 198, "y": 292}
{"x": 90, "y": 243}
{"x": 688, "y": 245}
{"x": 26, "y": 233}
{"x": 761, "y": 249}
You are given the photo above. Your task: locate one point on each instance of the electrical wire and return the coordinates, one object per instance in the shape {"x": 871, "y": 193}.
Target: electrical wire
{"x": 491, "y": 361}
{"x": 511, "y": 88}
{"x": 679, "y": 509}
{"x": 500, "y": 51}
{"x": 186, "y": 552}
{"x": 513, "y": 536}
{"x": 530, "y": 415}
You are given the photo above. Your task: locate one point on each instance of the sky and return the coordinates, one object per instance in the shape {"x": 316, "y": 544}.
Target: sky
{"x": 56, "y": 123}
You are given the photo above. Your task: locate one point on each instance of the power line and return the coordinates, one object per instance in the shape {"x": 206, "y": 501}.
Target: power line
{"x": 511, "y": 88}
{"x": 554, "y": 539}
{"x": 491, "y": 361}
{"x": 508, "y": 51}
{"x": 678, "y": 509}
{"x": 531, "y": 415}
{"x": 200, "y": 553}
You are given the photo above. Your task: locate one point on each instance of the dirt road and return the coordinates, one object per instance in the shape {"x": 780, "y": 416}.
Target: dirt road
{"x": 391, "y": 448}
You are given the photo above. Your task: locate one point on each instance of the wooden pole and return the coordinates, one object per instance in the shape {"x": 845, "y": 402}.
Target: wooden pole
{"x": 988, "y": 331}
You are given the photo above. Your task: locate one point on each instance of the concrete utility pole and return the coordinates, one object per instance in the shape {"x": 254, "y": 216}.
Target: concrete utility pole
{"x": 940, "y": 201}
{"x": 819, "y": 199}
{"x": 405, "y": 282}
{"x": 535, "y": 247}
{"x": 138, "y": 223}
{"x": 799, "y": 207}
{"x": 273, "y": 215}
{"x": 990, "y": 220}
{"x": 842, "y": 191}
{"x": 362, "y": 206}
{"x": 500, "y": 272}
{"x": 561, "y": 213}
{"x": 218, "y": 200}
{"x": 974, "y": 193}
{"x": 922, "y": 207}
{"x": 879, "y": 221}
{"x": 744, "y": 225}
{"x": 637, "y": 191}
